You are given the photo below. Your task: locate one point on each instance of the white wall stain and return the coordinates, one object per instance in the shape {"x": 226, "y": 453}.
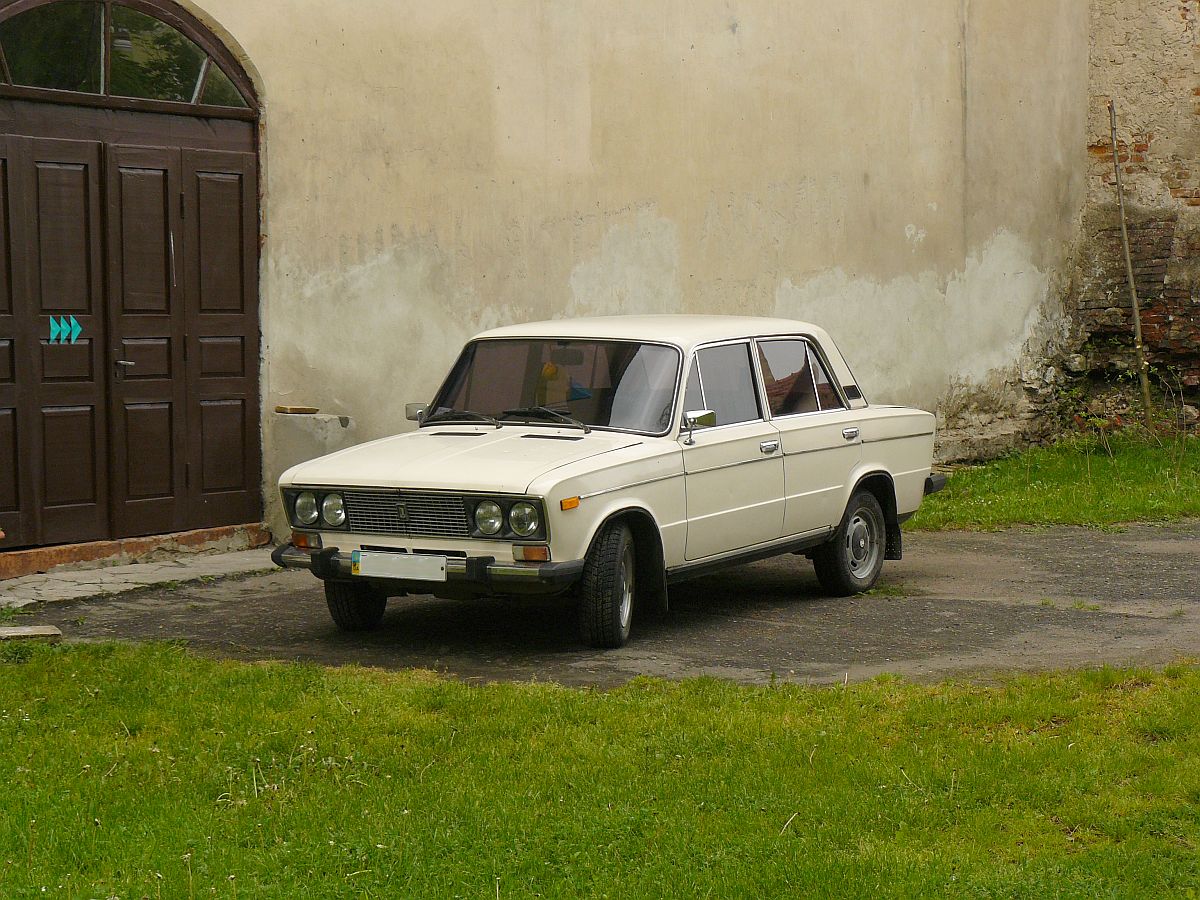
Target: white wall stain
{"x": 634, "y": 270}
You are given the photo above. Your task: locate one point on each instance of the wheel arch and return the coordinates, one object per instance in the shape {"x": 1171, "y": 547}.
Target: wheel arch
{"x": 650, "y": 568}
{"x": 879, "y": 483}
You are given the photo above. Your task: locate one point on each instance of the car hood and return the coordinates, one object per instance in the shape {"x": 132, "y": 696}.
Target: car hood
{"x": 503, "y": 460}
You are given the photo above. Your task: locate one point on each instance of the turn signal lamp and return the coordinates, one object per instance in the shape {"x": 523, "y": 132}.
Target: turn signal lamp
{"x": 568, "y": 503}
{"x": 303, "y": 540}
{"x": 531, "y": 554}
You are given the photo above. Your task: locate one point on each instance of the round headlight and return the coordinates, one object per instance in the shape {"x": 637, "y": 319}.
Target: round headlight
{"x": 489, "y": 517}
{"x": 306, "y": 508}
{"x": 523, "y": 519}
{"x": 333, "y": 510}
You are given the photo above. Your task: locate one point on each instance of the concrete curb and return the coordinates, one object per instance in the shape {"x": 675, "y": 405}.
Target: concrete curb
{"x": 47, "y": 633}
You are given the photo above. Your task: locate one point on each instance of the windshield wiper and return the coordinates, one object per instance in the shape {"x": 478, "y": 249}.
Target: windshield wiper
{"x": 545, "y": 412}
{"x": 459, "y": 415}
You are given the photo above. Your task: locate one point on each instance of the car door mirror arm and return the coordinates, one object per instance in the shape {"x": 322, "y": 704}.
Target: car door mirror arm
{"x": 697, "y": 418}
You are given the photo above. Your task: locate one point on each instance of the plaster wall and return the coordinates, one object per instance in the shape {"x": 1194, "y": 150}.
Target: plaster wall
{"x": 907, "y": 175}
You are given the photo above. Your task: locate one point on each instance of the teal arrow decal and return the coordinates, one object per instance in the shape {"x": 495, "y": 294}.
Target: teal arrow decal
{"x": 54, "y": 330}
{"x": 75, "y": 329}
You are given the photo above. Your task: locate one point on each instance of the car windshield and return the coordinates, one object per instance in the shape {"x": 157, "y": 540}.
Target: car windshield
{"x": 597, "y": 384}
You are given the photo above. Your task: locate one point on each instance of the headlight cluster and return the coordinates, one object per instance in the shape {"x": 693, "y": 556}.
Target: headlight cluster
{"x": 492, "y": 518}
{"x": 330, "y": 508}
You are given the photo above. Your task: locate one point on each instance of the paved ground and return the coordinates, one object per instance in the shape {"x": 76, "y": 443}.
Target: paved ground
{"x": 959, "y": 604}
{"x": 92, "y": 581}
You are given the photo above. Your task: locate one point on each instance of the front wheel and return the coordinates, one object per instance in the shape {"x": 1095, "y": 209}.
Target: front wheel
{"x": 354, "y": 607}
{"x": 607, "y": 590}
{"x": 851, "y": 562}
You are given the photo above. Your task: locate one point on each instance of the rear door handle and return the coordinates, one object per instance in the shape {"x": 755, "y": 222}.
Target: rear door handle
{"x": 769, "y": 446}
{"x": 850, "y": 433}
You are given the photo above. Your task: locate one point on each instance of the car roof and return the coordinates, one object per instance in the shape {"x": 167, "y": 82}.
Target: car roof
{"x": 685, "y": 331}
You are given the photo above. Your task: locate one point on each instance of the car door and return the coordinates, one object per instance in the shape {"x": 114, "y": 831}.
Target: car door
{"x": 819, "y": 435}
{"x": 733, "y": 470}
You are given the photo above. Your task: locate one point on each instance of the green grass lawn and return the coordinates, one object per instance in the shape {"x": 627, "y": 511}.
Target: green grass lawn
{"x": 1074, "y": 482}
{"x": 137, "y": 771}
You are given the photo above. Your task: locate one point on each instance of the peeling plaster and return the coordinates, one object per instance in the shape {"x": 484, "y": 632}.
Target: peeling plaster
{"x": 977, "y": 325}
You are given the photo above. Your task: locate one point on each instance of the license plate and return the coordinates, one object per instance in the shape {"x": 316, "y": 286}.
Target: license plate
{"x": 411, "y": 566}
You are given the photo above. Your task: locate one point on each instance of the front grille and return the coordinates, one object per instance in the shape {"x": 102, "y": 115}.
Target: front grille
{"x": 408, "y": 513}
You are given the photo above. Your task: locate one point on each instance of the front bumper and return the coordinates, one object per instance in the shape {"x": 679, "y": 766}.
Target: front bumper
{"x": 477, "y": 574}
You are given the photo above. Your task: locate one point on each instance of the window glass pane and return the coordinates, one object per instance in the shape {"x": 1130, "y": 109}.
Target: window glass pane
{"x": 693, "y": 397}
{"x": 826, "y": 392}
{"x": 616, "y": 384}
{"x": 787, "y": 377}
{"x": 219, "y": 90}
{"x": 729, "y": 383}
{"x": 152, "y": 60}
{"x": 56, "y": 46}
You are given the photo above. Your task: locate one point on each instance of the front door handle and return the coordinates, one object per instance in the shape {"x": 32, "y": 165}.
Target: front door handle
{"x": 850, "y": 433}
{"x": 769, "y": 447}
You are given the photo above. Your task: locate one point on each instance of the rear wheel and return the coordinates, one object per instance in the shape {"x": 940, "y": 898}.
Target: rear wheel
{"x": 354, "y": 607}
{"x": 608, "y": 588}
{"x": 852, "y": 561}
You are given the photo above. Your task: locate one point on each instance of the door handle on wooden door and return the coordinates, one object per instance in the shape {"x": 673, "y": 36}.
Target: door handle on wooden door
{"x": 122, "y": 366}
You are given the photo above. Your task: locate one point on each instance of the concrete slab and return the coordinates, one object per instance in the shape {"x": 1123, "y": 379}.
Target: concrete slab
{"x": 47, "y": 633}
{"x": 54, "y": 586}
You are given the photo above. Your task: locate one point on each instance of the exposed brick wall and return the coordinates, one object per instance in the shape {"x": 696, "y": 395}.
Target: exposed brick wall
{"x": 1145, "y": 56}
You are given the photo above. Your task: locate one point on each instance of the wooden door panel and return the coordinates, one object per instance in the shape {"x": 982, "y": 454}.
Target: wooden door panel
{"x": 221, "y": 252}
{"x": 223, "y": 432}
{"x": 10, "y": 494}
{"x": 150, "y": 472}
{"x": 146, "y": 326}
{"x": 62, "y": 415}
{"x": 6, "y": 290}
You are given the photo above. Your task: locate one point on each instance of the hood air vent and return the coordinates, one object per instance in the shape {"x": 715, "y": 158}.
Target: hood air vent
{"x": 552, "y": 437}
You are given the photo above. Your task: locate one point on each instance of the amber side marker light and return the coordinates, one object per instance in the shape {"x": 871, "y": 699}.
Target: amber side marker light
{"x": 302, "y": 540}
{"x": 531, "y": 554}
{"x": 568, "y": 503}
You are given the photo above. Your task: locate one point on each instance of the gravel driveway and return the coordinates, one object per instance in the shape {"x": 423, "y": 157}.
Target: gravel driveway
{"x": 959, "y": 604}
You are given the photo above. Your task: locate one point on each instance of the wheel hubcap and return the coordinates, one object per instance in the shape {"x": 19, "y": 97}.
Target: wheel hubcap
{"x": 862, "y": 546}
{"x": 626, "y": 608}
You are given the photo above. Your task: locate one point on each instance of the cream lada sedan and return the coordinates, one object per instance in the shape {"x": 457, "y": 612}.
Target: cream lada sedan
{"x": 603, "y": 459}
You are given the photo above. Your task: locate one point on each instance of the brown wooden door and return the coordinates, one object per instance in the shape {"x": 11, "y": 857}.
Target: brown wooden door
{"x": 147, "y": 396}
{"x": 220, "y": 246}
{"x": 54, "y": 238}
{"x": 154, "y": 252}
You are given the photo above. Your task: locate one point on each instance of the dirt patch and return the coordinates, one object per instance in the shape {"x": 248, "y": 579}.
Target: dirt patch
{"x": 959, "y": 604}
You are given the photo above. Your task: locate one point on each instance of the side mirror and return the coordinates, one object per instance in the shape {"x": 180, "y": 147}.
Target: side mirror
{"x": 697, "y": 418}
{"x": 414, "y": 412}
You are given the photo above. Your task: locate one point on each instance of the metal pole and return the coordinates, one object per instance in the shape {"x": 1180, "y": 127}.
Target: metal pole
{"x": 1139, "y": 348}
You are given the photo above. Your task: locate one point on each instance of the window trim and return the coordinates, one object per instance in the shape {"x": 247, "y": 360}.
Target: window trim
{"x": 169, "y": 14}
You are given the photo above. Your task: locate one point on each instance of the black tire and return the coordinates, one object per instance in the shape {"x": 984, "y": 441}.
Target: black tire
{"x": 607, "y": 591}
{"x": 851, "y": 561}
{"x": 354, "y": 607}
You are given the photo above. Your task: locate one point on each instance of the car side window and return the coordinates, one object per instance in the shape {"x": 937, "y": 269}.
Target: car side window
{"x": 826, "y": 392}
{"x": 693, "y": 395}
{"x": 788, "y": 377}
{"x": 728, "y": 383}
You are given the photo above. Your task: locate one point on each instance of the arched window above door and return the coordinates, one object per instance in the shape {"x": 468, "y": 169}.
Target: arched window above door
{"x": 137, "y": 50}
